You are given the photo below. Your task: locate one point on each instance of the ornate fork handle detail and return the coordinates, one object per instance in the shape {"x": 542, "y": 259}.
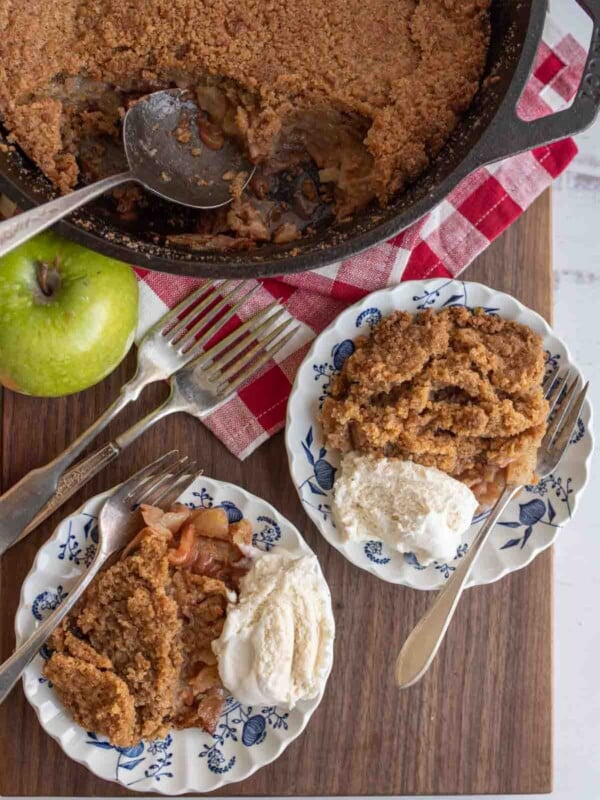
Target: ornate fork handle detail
{"x": 72, "y": 480}
{"x": 82, "y": 472}
{"x": 26, "y": 498}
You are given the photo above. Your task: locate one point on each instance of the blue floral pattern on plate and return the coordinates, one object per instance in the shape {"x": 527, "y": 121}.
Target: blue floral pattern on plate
{"x": 535, "y": 523}
{"x": 245, "y": 737}
{"x": 152, "y": 759}
{"x": 80, "y": 548}
{"x": 47, "y": 600}
{"x": 268, "y": 536}
{"x": 320, "y": 479}
{"x": 240, "y": 723}
{"x": 375, "y": 552}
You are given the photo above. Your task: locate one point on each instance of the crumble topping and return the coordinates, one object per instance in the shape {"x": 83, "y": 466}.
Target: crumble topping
{"x": 454, "y": 389}
{"x": 134, "y": 658}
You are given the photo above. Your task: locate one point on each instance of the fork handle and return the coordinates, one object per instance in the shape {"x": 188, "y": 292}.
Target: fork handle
{"x": 76, "y": 477}
{"x": 12, "y": 669}
{"x": 421, "y": 647}
{"x": 20, "y": 504}
{"x": 72, "y": 481}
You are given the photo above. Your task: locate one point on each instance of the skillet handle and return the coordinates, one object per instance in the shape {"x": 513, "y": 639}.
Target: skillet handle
{"x": 511, "y": 134}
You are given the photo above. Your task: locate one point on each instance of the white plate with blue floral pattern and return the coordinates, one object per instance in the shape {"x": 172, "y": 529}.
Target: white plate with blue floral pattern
{"x": 530, "y": 523}
{"x": 246, "y": 737}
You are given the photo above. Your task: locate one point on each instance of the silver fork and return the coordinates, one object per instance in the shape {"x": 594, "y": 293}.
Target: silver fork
{"x": 162, "y": 481}
{"x": 167, "y": 346}
{"x": 419, "y": 650}
{"x": 196, "y": 389}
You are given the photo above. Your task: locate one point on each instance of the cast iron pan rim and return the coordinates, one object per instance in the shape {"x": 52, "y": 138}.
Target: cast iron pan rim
{"x": 478, "y": 156}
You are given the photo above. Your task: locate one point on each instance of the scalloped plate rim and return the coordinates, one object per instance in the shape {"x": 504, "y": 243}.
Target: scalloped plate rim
{"x": 430, "y": 284}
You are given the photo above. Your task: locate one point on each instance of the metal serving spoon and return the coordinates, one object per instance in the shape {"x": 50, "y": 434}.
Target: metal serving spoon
{"x": 165, "y": 153}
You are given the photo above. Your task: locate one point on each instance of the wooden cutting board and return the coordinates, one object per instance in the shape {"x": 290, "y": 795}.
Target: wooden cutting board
{"x": 479, "y": 722}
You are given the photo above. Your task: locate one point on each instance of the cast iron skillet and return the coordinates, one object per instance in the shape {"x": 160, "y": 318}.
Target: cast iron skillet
{"x": 490, "y": 131}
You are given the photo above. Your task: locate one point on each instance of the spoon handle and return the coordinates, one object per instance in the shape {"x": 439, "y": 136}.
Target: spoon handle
{"x": 419, "y": 650}
{"x": 20, "y": 228}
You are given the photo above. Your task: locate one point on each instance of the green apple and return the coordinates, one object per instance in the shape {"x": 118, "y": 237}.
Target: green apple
{"x": 67, "y": 316}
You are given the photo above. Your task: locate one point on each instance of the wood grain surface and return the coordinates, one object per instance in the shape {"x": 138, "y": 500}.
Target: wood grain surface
{"x": 481, "y": 719}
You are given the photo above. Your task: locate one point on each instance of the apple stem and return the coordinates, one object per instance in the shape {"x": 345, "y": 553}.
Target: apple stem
{"x": 44, "y": 278}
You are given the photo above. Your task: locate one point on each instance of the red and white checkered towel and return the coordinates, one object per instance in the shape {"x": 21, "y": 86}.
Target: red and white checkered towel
{"x": 441, "y": 244}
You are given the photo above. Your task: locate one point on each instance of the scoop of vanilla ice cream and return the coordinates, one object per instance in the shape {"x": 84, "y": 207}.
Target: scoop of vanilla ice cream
{"x": 276, "y": 647}
{"x": 413, "y": 509}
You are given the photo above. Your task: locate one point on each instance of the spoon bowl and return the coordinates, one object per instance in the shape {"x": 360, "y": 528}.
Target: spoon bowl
{"x": 168, "y": 154}
{"x": 172, "y": 149}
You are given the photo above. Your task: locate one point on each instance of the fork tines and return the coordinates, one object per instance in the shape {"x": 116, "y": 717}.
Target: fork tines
{"x": 208, "y": 324}
{"x": 565, "y": 401}
{"x": 156, "y": 489}
{"x": 200, "y": 316}
{"x": 167, "y": 477}
{"x": 554, "y": 387}
{"x": 244, "y": 351}
{"x": 202, "y": 310}
{"x": 549, "y": 382}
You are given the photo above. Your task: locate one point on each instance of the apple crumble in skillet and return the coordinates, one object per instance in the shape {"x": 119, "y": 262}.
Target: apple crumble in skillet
{"x": 339, "y": 102}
